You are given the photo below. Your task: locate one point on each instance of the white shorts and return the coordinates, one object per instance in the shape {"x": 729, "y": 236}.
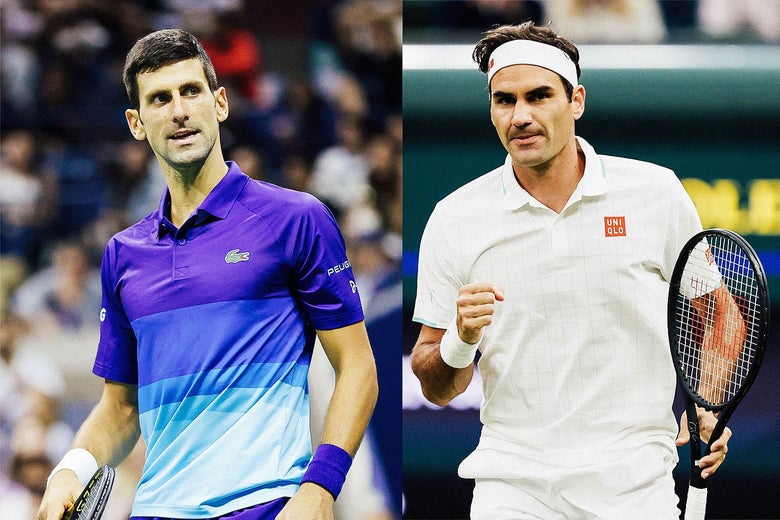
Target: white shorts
{"x": 638, "y": 486}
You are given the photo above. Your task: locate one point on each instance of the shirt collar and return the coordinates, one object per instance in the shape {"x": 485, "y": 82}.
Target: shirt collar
{"x": 592, "y": 184}
{"x": 216, "y": 205}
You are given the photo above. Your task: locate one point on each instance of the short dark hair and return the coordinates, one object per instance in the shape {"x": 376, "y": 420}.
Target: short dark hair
{"x": 501, "y": 34}
{"x": 161, "y": 48}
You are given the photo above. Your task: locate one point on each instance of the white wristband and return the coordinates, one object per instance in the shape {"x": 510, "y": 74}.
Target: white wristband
{"x": 456, "y": 352}
{"x": 79, "y": 461}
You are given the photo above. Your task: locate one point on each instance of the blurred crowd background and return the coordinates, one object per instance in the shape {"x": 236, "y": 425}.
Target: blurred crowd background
{"x": 600, "y": 21}
{"x": 315, "y": 105}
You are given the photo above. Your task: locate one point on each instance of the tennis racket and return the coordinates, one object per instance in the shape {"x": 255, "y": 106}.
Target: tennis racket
{"x": 718, "y": 317}
{"x": 91, "y": 503}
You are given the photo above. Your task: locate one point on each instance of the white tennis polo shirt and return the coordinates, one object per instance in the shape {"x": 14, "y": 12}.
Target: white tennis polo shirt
{"x": 576, "y": 366}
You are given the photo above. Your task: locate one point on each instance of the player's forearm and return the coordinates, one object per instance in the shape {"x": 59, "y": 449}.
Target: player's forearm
{"x": 715, "y": 376}
{"x": 351, "y": 405}
{"x": 356, "y": 389}
{"x": 111, "y": 430}
{"x": 440, "y": 382}
{"x": 724, "y": 327}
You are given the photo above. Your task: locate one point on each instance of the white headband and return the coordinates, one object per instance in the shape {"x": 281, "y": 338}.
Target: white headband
{"x": 529, "y": 52}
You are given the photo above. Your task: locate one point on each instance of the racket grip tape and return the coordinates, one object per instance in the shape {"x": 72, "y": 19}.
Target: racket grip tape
{"x": 328, "y": 468}
{"x": 696, "y": 503}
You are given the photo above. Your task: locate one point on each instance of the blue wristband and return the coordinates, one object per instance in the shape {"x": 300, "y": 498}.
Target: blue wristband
{"x": 328, "y": 468}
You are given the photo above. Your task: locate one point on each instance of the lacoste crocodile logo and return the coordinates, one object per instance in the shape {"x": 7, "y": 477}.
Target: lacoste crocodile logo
{"x": 233, "y": 257}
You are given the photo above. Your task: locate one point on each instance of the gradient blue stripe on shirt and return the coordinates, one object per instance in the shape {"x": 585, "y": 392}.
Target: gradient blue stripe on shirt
{"x": 183, "y": 398}
{"x": 173, "y": 343}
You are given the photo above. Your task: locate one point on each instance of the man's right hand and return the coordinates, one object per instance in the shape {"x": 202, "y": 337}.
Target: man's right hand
{"x": 476, "y": 305}
{"x": 61, "y": 493}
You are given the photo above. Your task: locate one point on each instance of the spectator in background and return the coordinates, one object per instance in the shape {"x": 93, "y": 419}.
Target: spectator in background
{"x": 296, "y": 173}
{"x": 313, "y": 117}
{"x": 135, "y": 182}
{"x": 78, "y": 47}
{"x": 29, "y": 466}
{"x": 30, "y": 382}
{"x": 20, "y": 63}
{"x": 729, "y": 19}
{"x": 81, "y": 182}
{"x": 65, "y": 296}
{"x": 31, "y": 433}
{"x": 340, "y": 173}
{"x": 350, "y": 99}
{"x": 370, "y": 49}
{"x": 28, "y": 197}
{"x": 680, "y": 19}
{"x": 477, "y": 14}
{"x": 371, "y": 255}
{"x": 15, "y": 500}
{"x": 384, "y": 175}
{"x": 236, "y": 54}
{"x": 394, "y": 126}
{"x": 251, "y": 162}
{"x": 97, "y": 233}
{"x": 607, "y": 21}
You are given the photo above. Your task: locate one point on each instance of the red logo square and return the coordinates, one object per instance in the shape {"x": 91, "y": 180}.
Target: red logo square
{"x": 614, "y": 226}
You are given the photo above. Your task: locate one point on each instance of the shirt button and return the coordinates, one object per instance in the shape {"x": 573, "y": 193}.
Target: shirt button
{"x": 182, "y": 241}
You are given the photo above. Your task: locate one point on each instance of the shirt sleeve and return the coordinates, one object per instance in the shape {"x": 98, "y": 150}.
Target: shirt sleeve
{"x": 116, "y": 356}
{"x": 325, "y": 282}
{"x": 683, "y": 223}
{"x": 437, "y": 280}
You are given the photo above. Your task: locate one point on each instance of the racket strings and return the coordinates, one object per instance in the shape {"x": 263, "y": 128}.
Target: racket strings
{"x": 718, "y": 308}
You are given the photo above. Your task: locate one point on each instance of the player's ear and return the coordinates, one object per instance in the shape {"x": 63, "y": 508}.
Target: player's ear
{"x": 578, "y": 101}
{"x": 135, "y": 124}
{"x": 220, "y": 98}
{"x": 490, "y": 106}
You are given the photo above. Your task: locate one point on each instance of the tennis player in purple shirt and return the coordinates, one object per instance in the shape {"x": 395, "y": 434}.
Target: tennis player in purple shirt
{"x": 211, "y": 305}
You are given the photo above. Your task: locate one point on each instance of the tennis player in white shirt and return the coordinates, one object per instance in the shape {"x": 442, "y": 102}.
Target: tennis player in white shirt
{"x": 555, "y": 266}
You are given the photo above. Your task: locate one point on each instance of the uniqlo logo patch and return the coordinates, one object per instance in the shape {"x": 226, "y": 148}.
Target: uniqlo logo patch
{"x": 614, "y": 226}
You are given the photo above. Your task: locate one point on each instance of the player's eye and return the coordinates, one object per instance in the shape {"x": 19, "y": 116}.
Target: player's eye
{"x": 190, "y": 90}
{"x": 538, "y": 96}
{"x": 160, "y": 98}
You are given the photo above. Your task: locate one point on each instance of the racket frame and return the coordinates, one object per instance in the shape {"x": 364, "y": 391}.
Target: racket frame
{"x": 760, "y": 329}
{"x": 101, "y": 482}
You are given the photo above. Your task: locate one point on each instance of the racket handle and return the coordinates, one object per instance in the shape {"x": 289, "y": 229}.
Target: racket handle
{"x": 696, "y": 503}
